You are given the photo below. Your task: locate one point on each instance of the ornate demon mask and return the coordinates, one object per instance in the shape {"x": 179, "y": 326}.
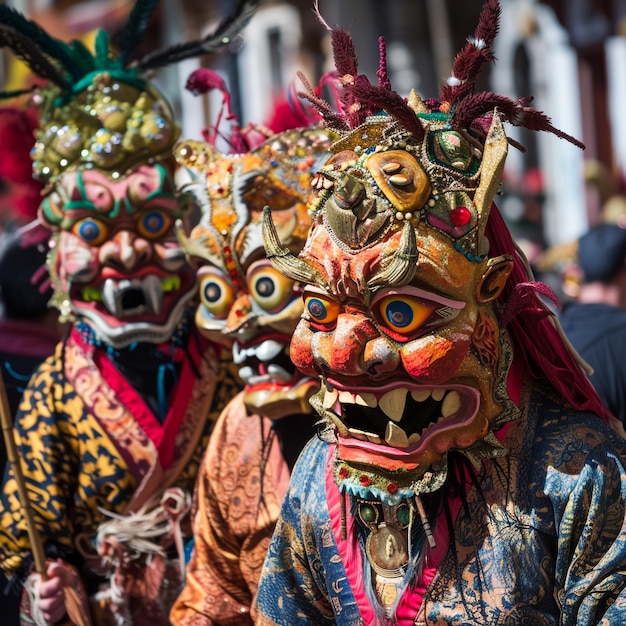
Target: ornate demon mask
{"x": 400, "y": 315}
{"x": 117, "y": 263}
{"x": 244, "y": 301}
{"x": 104, "y": 152}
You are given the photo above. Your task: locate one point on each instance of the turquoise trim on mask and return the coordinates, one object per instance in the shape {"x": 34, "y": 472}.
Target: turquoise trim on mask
{"x": 468, "y": 255}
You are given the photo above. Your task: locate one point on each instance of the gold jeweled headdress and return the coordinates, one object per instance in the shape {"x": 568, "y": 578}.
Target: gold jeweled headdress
{"x": 459, "y": 140}
{"x": 99, "y": 109}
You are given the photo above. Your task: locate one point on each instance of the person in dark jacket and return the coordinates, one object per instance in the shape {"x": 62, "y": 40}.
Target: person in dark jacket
{"x": 595, "y": 322}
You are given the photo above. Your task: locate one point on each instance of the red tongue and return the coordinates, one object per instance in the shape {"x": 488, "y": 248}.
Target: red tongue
{"x": 262, "y": 369}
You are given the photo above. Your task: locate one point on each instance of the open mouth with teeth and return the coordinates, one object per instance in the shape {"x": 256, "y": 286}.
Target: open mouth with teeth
{"x": 263, "y": 363}
{"x": 273, "y": 386}
{"x": 146, "y": 298}
{"x": 143, "y": 308}
{"x": 396, "y": 420}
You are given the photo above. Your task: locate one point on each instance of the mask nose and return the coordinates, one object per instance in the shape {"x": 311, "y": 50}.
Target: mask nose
{"x": 125, "y": 251}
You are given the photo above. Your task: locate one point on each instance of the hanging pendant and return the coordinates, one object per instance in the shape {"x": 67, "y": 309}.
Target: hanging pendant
{"x": 387, "y": 551}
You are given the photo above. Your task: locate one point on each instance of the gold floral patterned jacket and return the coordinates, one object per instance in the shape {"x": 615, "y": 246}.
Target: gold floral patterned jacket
{"x": 94, "y": 453}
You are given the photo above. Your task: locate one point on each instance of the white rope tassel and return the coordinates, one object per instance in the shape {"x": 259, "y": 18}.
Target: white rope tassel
{"x": 116, "y": 595}
{"x": 135, "y": 532}
{"x": 31, "y": 584}
{"x": 142, "y": 534}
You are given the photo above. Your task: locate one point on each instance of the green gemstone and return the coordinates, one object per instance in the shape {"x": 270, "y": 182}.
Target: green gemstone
{"x": 368, "y": 513}
{"x": 403, "y": 514}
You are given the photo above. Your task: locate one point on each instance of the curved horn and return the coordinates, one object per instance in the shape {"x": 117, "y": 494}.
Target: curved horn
{"x": 287, "y": 263}
{"x": 401, "y": 268}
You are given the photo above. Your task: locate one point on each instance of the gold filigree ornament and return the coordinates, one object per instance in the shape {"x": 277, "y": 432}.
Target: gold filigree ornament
{"x": 110, "y": 125}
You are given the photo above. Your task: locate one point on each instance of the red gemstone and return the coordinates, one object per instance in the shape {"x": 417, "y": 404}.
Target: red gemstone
{"x": 343, "y": 472}
{"x": 364, "y": 480}
{"x": 392, "y": 488}
{"x": 460, "y": 216}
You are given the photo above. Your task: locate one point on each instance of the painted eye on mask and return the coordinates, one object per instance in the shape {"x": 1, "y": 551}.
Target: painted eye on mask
{"x": 91, "y": 231}
{"x": 404, "y": 314}
{"x": 217, "y": 294}
{"x": 320, "y": 309}
{"x": 154, "y": 224}
{"x": 268, "y": 287}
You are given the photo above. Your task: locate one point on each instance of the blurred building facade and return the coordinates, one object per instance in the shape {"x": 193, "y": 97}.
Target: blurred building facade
{"x": 569, "y": 54}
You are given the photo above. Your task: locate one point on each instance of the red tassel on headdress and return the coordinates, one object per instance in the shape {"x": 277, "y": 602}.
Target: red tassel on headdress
{"x": 383, "y": 76}
{"x": 469, "y": 61}
{"x": 202, "y": 81}
{"x": 536, "y": 339}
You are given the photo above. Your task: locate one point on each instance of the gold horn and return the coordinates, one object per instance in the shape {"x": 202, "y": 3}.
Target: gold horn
{"x": 494, "y": 155}
{"x": 283, "y": 259}
{"x": 401, "y": 268}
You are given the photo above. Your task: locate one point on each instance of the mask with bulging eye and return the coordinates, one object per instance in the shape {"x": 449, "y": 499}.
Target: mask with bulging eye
{"x": 399, "y": 317}
{"x": 117, "y": 264}
{"x": 244, "y": 301}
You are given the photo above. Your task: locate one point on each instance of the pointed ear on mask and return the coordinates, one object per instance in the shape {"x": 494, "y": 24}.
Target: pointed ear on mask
{"x": 493, "y": 280}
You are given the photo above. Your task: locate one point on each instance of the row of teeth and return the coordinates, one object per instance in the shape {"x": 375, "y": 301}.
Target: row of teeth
{"x": 275, "y": 373}
{"x": 264, "y": 351}
{"x": 392, "y": 404}
{"x": 151, "y": 286}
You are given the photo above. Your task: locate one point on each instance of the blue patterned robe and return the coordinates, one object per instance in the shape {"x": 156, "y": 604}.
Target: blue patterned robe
{"x": 544, "y": 543}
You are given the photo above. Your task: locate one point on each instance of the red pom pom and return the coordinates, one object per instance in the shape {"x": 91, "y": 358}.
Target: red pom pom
{"x": 203, "y": 80}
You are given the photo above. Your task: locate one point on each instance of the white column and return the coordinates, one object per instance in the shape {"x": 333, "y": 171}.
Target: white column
{"x": 258, "y": 69}
{"x": 556, "y": 65}
{"x": 555, "y": 87}
{"x": 616, "y": 73}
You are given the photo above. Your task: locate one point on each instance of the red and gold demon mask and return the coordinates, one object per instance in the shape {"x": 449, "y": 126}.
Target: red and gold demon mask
{"x": 400, "y": 316}
{"x": 398, "y": 303}
{"x": 244, "y": 301}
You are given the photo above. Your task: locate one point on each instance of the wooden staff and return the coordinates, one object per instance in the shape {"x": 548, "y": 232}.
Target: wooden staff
{"x": 77, "y": 613}
{"x": 36, "y": 544}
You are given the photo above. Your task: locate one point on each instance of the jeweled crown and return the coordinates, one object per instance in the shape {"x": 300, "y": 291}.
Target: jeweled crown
{"x": 457, "y": 146}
